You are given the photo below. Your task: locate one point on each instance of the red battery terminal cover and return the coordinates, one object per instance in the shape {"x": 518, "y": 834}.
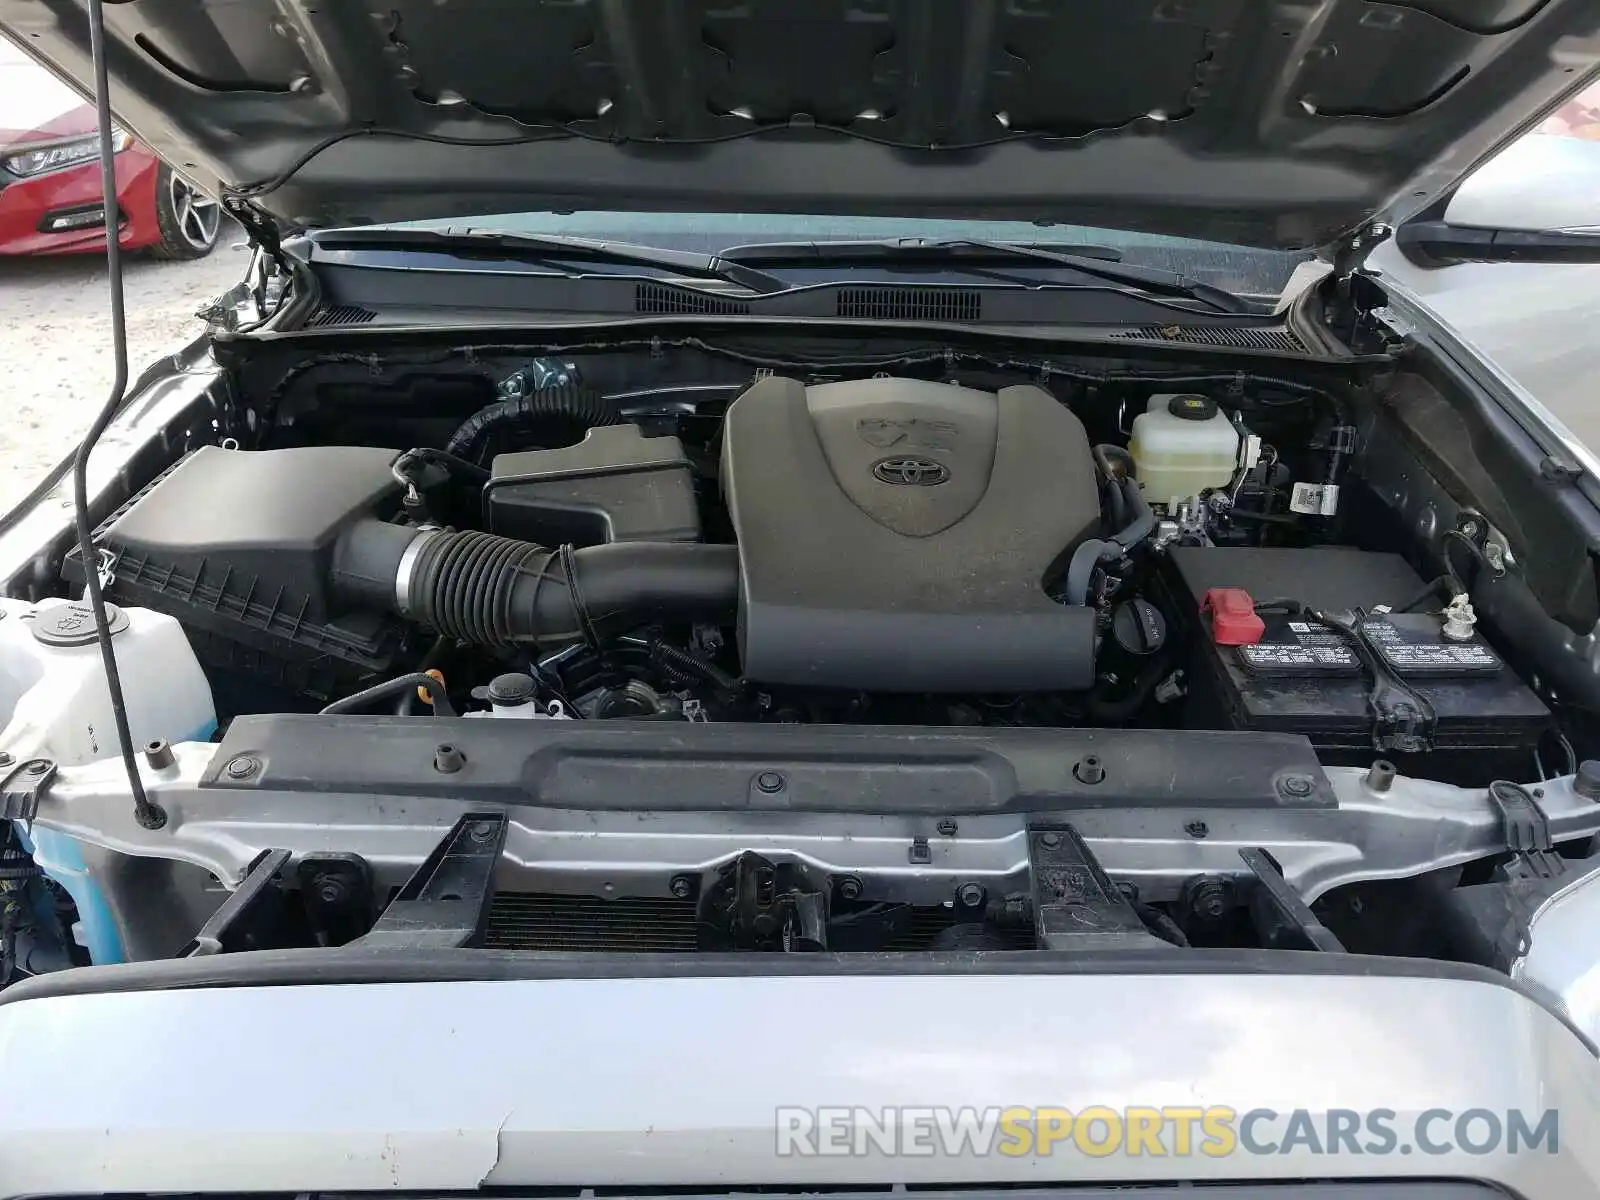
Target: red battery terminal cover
{"x": 1233, "y": 617}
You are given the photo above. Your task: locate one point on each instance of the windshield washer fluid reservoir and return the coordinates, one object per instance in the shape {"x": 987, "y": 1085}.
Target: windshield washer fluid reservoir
{"x": 54, "y": 703}
{"x": 53, "y": 695}
{"x": 1183, "y": 445}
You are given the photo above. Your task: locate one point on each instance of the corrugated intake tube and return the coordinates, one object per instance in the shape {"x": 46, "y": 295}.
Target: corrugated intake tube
{"x": 561, "y": 414}
{"x": 491, "y": 590}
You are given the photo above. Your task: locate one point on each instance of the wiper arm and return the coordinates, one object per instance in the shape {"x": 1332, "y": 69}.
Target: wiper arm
{"x": 560, "y": 246}
{"x": 1100, "y": 262}
{"x": 1149, "y": 279}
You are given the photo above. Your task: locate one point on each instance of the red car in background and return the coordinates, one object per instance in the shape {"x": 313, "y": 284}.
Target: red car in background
{"x": 50, "y": 200}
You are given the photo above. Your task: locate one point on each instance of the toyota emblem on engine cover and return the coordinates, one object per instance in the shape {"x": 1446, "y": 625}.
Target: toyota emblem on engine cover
{"x": 910, "y": 472}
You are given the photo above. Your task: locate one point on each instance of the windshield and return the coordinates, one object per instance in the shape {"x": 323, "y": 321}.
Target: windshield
{"x": 1241, "y": 270}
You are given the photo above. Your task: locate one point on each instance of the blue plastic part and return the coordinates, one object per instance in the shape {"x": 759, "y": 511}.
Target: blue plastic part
{"x": 61, "y": 858}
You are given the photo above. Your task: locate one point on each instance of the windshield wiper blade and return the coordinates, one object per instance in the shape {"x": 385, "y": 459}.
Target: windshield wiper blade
{"x": 1099, "y": 262}
{"x": 806, "y": 253}
{"x": 1149, "y": 279}
{"x": 561, "y": 246}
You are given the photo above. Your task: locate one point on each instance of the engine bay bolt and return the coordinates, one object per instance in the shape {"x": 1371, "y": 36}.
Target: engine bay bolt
{"x": 1090, "y": 771}
{"x": 680, "y": 887}
{"x": 1586, "y": 782}
{"x": 850, "y": 888}
{"x": 447, "y": 759}
{"x": 6, "y": 759}
{"x": 1380, "y": 776}
{"x": 242, "y": 766}
{"x": 947, "y": 827}
{"x": 769, "y": 782}
{"x": 1209, "y": 898}
{"x": 1050, "y": 840}
{"x": 158, "y": 754}
{"x": 1297, "y": 787}
{"x": 1196, "y": 829}
{"x": 330, "y": 889}
{"x": 970, "y": 895}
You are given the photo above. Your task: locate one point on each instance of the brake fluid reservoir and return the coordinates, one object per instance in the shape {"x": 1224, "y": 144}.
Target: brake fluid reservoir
{"x": 53, "y": 696}
{"x": 1183, "y": 445}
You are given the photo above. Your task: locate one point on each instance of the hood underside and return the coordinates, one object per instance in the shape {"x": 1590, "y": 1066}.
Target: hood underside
{"x": 1287, "y": 124}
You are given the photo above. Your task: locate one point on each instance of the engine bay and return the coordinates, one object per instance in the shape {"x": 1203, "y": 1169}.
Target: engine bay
{"x": 889, "y": 549}
{"x": 884, "y": 647}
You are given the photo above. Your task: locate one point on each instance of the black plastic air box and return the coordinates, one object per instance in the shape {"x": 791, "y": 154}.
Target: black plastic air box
{"x": 237, "y": 545}
{"x": 614, "y": 486}
{"x": 1303, "y": 678}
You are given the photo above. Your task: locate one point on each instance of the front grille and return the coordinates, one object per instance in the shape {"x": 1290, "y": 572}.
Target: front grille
{"x": 530, "y": 921}
{"x": 1219, "y": 335}
{"x": 657, "y": 298}
{"x": 910, "y": 304}
{"x": 589, "y": 924}
{"x": 342, "y": 314}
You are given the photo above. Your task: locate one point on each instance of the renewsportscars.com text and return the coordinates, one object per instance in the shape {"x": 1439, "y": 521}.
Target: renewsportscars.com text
{"x": 1215, "y": 1132}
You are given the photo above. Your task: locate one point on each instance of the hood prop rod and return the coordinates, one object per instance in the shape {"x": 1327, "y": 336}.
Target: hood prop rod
{"x": 145, "y": 811}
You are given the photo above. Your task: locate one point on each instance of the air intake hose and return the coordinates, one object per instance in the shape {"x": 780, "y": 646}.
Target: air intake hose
{"x": 491, "y": 590}
{"x": 567, "y": 410}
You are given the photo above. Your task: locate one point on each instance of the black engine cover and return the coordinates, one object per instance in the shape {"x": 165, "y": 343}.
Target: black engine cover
{"x": 895, "y": 535}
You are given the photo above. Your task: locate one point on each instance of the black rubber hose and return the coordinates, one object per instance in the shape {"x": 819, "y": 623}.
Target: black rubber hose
{"x": 1142, "y": 522}
{"x": 382, "y": 691}
{"x": 411, "y": 466}
{"x": 1090, "y": 554}
{"x": 1115, "y": 464}
{"x": 566, "y": 411}
{"x": 1105, "y": 711}
{"x": 495, "y": 591}
{"x": 435, "y": 654}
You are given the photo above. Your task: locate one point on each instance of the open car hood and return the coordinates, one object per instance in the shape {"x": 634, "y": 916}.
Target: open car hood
{"x": 1285, "y": 124}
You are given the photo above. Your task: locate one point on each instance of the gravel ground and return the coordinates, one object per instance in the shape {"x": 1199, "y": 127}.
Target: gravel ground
{"x": 56, "y": 346}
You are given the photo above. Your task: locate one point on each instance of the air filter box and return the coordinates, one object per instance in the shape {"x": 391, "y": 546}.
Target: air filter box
{"x": 238, "y": 546}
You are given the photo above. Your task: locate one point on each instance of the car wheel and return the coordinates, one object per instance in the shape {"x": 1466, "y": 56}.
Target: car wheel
{"x": 189, "y": 219}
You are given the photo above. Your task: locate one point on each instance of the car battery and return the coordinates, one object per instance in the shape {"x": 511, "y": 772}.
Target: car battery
{"x": 1296, "y": 675}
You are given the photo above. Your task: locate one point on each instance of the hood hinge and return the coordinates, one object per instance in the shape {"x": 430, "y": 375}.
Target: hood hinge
{"x": 259, "y": 228}
{"x": 1343, "y": 307}
{"x": 1353, "y": 251}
